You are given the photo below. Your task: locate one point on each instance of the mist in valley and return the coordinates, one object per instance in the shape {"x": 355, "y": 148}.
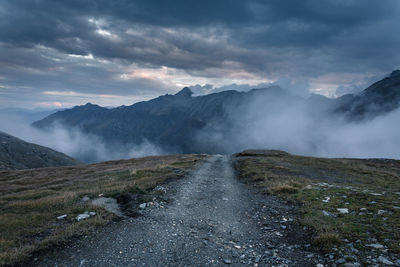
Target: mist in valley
{"x": 75, "y": 143}
{"x": 302, "y": 127}
{"x": 273, "y": 120}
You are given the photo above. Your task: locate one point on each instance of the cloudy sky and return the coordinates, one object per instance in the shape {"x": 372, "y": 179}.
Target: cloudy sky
{"x": 112, "y": 52}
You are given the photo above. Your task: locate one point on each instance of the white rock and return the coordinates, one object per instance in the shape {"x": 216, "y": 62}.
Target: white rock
{"x": 343, "y": 210}
{"x": 326, "y": 200}
{"x": 227, "y": 261}
{"x": 376, "y": 245}
{"x": 61, "y": 217}
{"x": 375, "y": 194}
{"x": 92, "y": 213}
{"x": 142, "y": 206}
{"x": 109, "y": 204}
{"x": 326, "y": 213}
{"x": 380, "y": 212}
{"x": 363, "y": 209}
{"x": 82, "y": 216}
{"x": 383, "y": 260}
{"x": 319, "y": 265}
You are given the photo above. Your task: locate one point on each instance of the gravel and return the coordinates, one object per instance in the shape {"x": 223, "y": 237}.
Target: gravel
{"x": 211, "y": 219}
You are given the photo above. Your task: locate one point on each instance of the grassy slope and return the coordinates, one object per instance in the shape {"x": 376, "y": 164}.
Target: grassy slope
{"x": 31, "y": 200}
{"x": 369, "y": 189}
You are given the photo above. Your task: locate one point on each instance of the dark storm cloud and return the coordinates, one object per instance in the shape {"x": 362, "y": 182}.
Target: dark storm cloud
{"x": 271, "y": 39}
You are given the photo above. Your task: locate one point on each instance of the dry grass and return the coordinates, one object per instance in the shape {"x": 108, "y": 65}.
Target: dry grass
{"x": 31, "y": 200}
{"x": 283, "y": 189}
{"x": 326, "y": 240}
{"x": 365, "y": 186}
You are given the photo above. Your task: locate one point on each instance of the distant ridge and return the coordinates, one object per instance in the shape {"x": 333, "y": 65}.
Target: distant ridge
{"x": 17, "y": 154}
{"x": 174, "y": 121}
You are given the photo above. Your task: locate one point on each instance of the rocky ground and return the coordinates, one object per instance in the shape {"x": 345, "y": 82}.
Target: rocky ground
{"x": 208, "y": 218}
{"x": 351, "y": 204}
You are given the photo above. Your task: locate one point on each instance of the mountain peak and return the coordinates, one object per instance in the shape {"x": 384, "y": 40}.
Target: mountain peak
{"x": 395, "y": 73}
{"x": 88, "y": 104}
{"x": 185, "y": 92}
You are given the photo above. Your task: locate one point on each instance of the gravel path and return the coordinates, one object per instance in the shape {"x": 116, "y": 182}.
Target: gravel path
{"x": 211, "y": 220}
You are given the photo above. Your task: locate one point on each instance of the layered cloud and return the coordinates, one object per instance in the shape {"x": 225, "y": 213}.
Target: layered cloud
{"x": 119, "y": 52}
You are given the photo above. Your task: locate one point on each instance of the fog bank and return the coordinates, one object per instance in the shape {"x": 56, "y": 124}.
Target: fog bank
{"x": 302, "y": 127}
{"x": 84, "y": 147}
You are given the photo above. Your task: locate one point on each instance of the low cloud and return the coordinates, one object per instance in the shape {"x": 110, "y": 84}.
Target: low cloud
{"x": 84, "y": 147}
{"x": 276, "y": 122}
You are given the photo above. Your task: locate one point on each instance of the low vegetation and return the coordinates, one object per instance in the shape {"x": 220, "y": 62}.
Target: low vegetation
{"x": 346, "y": 201}
{"x": 31, "y": 200}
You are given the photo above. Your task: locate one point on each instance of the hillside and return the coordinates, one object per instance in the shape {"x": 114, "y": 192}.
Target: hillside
{"x": 353, "y": 205}
{"x": 379, "y": 98}
{"x": 17, "y": 154}
{"x": 31, "y": 201}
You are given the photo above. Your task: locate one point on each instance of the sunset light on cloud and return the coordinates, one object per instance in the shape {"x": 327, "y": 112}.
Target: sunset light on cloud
{"x": 139, "y": 53}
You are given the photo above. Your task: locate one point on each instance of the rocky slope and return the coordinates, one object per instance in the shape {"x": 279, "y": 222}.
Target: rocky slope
{"x": 18, "y": 154}
{"x": 379, "y": 98}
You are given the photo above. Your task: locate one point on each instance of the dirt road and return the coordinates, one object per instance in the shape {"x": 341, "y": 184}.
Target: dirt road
{"x": 212, "y": 219}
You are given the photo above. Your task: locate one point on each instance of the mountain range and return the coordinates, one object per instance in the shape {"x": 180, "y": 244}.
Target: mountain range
{"x": 175, "y": 121}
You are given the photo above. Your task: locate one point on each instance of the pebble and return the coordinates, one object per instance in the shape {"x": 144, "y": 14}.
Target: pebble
{"x": 343, "y": 210}
{"x": 326, "y": 213}
{"x": 375, "y": 194}
{"x": 227, "y": 261}
{"x": 383, "y": 260}
{"x": 376, "y": 245}
{"x": 82, "y": 216}
{"x": 85, "y": 215}
{"x": 340, "y": 261}
{"x": 326, "y": 200}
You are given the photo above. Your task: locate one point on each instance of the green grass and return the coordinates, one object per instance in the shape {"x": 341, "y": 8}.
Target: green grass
{"x": 31, "y": 200}
{"x": 349, "y": 183}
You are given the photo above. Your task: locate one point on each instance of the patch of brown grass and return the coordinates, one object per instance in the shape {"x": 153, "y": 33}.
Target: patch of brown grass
{"x": 326, "y": 240}
{"x": 32, "y": 199}
{"x": 283, "y": 189}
